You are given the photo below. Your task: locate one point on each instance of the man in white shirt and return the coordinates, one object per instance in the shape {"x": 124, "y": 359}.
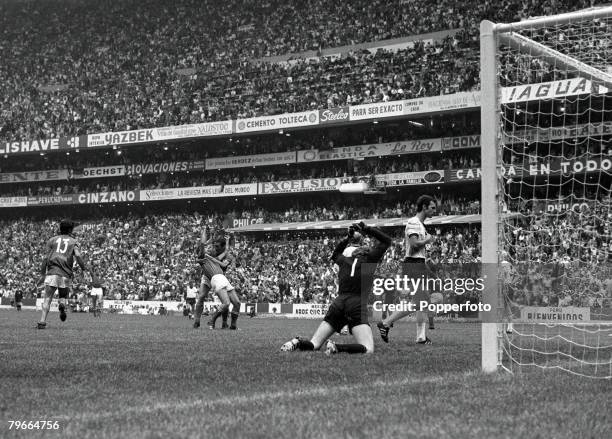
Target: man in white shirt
{"x": 190, "y": 298}
{"x": 416, "y": 238}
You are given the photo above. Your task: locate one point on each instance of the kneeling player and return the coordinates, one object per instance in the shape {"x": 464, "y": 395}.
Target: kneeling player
{"x": 350, "y": 307}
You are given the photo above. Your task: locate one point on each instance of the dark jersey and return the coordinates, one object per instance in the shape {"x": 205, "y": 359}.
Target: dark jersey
{"x": 353, "y": 274}
{"x": 209, "y": 268}
{"x": 18, "y": 296}
{"x": 61, "y": 251}
{"x": 96, "y": 282}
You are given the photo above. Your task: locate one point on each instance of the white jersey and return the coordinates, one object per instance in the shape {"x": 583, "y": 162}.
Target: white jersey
{"x": 415, "y": 227}
{"x": 192, "y": 292}
{"x": 97, "y": 292}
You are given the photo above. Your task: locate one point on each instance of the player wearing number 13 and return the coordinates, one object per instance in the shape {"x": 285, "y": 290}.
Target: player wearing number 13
{"x": 56, "y": 269}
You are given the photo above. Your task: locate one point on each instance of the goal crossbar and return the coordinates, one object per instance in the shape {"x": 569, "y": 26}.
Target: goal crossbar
{"x": 522, "y": 43}
{"x": 569, "y": 17}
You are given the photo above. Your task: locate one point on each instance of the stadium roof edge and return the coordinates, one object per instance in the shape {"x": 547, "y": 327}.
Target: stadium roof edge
{"x": 380, "y": 222}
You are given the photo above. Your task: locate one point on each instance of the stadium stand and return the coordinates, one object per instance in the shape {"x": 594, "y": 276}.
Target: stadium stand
{"x": 139, "y": 261}
{"x": 106, "y": 70}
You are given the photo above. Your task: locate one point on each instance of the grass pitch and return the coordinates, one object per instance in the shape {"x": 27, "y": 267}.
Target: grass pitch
{"x": 130, "y": 376}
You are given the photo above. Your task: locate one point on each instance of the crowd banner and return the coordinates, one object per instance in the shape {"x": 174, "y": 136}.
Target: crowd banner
{"x": 411, "y": 178}
{"x": 106, "y": 197}
{"x": 277, "y": 122}
{"x": 334, "y": 115}
{"x": 370, "y": 150}
{"x": 561, "y": 205}
{"x": 149, "y": 135}
{"x": 242, "y": 222}
{"x": 474, "y": 174}
{"x": 161, "y": 167}
{"x": 152, "y": 307}
{"x": 13, "y": 201}
{"x": 555, "y": 314}
{"x": 551, "y": 90}
{"x": 102, "y": 171}
{"x": 295, "y": 186}
{"x": 137, "y": 169}
{"x": 229, "y": 190}
{"x": 469, "y": 174}
{"x": 377, "y": 111}
{"x": 49, "y": 200}
{"x": 532, "y": 135}
{"x": 33, "y": 146}
{"x": 209, "y": 129}
{"x": 309, "y": 310}
{"x": 455, "y": 101}
{"x": 555, "y": 166}
{"x": 19, "y": 177}
{"x": 460, "y": 142}
{"x": 244, "y": 161}
{"x": 144, "y": 306}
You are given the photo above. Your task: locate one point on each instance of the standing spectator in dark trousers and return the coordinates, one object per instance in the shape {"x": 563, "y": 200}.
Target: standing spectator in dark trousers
{"x": 18, "y": 299}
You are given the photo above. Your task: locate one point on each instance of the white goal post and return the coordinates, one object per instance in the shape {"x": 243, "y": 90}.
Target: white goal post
{"x": 549, "y": 53}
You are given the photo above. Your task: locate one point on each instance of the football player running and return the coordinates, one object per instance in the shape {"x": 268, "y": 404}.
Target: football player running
{"x": 350, "y": 307}
{"x": 57, "y": 269}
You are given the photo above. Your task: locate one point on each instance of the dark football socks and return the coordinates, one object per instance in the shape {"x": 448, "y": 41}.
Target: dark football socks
{"x": 234, "y": 319}
{"x": 199, "y": 309}
{"x": 305, "y": 345}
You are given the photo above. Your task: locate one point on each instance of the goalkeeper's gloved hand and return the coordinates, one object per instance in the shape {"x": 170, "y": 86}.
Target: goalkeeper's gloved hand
{"x": 360, "y": 227}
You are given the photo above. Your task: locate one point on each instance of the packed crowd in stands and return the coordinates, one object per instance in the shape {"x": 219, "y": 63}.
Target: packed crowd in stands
{"x": 336, "y": 211}
{"x": 555, "y": 249}
{"x": 344, "y": 169}
{"x": 82, "y": 67}
{"x": 583, "y": 232}
{"x": 153, "y": 257}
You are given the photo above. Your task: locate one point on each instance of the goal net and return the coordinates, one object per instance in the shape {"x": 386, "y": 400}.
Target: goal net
{"x": 546, "y": 188}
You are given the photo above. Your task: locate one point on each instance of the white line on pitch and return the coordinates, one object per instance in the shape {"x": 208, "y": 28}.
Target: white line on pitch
{"x": 257, "y": 397}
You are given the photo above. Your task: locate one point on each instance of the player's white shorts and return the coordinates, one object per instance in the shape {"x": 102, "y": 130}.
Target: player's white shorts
{"x": 219, "y": 282}
{"x": 96, "y": 292}
{"x": 56, "y": 281}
